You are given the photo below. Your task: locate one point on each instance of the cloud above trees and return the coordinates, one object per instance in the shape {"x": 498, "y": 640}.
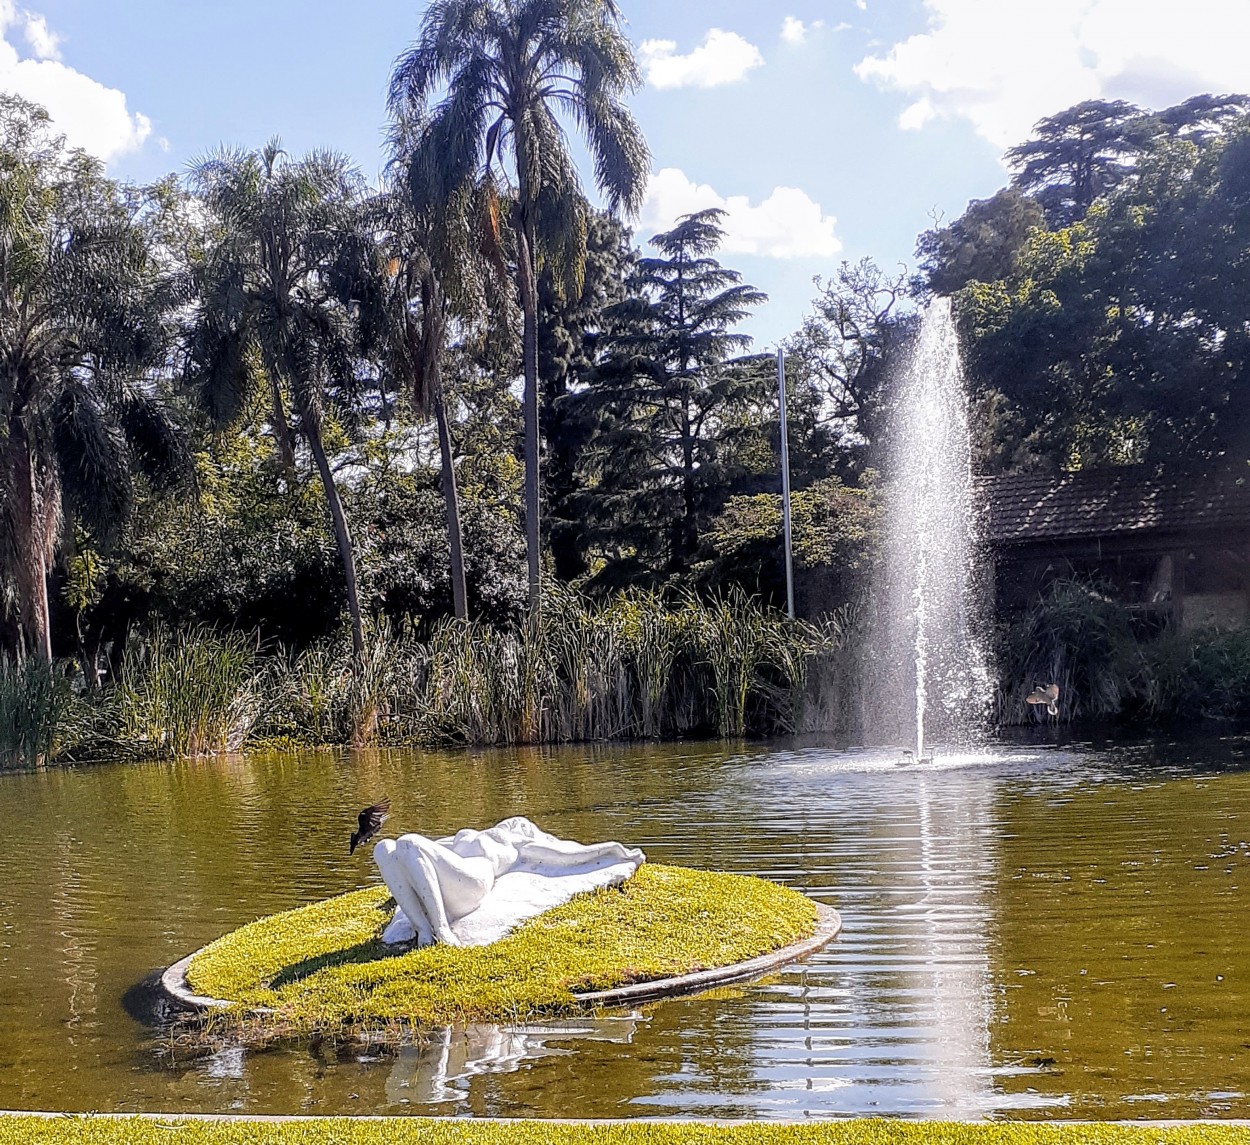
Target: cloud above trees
{"x": 1005, "y": 65}
{"x": 722, "y": 58}
{"x": 787, "y": 224}
{"x": 90, "y": 115}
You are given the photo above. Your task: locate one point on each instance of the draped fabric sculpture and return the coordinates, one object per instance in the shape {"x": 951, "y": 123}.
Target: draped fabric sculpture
{"x": 475, "y": 886}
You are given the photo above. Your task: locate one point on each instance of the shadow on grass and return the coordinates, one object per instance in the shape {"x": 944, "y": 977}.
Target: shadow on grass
{"x": 373, "y": 950}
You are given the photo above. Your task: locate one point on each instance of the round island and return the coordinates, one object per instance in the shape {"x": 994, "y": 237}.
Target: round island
{"x": 667, "y": 931}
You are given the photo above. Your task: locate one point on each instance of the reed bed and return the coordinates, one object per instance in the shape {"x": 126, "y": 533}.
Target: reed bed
{"x": 1112, "y": 662}
{"x": 636, "y": 666}
{"x": 39, "y": 716}
{"x": 197, "y": 693}
{"x": 633, "y": 667}
{"x": 1078, "y": 637}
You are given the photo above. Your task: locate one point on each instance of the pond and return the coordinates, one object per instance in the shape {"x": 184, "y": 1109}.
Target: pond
{"x": 1057, "y": 933}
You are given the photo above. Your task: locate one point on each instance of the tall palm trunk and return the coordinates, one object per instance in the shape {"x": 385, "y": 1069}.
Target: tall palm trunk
{"x": 281, "y": 428}
{"x": 36, "y": 517}
{"x": 429, "y": 385}
{"x": 342, "y": 534}
{"x": 459, "y": 588}
{"x": 529, "y": 305}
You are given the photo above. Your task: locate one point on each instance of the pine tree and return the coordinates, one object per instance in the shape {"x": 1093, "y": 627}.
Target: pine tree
{"x": 675, "y": 399}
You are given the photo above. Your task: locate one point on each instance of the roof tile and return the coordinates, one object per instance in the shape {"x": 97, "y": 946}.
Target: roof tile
{"x": 1135, "y": 500}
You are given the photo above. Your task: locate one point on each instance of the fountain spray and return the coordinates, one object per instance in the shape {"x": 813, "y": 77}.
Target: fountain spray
{"x": 932, "y": 678}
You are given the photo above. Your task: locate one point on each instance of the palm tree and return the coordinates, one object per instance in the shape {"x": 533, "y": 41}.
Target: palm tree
{"x": 84, "y": 304}
{"x": 273, "y": 318}
{"x": 509, "y": 68}
{"x": 432, "y": 277}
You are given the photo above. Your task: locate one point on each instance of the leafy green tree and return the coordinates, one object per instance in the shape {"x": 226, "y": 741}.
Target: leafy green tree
{"x": 1078, "y": 155}
{"x": 674, "y": 398}
{"x": 501, "y": 71}
{"x": 1090, "y": 149}
{"x": 1123, "y": 338}
{"x": 843, "y": 353}
{"x": 434, "y": 280}
{"x": 982, "y": 245}
{"x": 1202, "y": 117}
{"x": 85, "y": 302}
{"x": 286, "y": 240}
{"x": 834, "y": 535}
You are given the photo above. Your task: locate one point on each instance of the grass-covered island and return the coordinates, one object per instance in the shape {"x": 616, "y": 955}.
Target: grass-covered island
{"x": 323, "y": 967}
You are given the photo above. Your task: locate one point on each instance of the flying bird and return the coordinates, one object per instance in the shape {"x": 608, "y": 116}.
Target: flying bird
{"x": 369, "y": 822}
{"x": 1048, "y": 695}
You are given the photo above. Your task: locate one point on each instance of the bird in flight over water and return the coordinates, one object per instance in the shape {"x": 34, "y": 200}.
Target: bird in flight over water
{"x": 1047, "y": 694}
{"x": 369, "y": 823}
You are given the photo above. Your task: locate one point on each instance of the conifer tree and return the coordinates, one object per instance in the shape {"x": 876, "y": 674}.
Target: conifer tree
{"x": 676, "y": 395}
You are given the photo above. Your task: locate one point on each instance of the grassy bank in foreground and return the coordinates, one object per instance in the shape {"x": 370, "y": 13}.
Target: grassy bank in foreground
{"x": 400, "y": 1130}
{"x": 322, "y": 966}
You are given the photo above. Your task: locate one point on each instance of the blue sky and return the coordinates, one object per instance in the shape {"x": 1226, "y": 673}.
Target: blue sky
{"x": 832, "y": 129}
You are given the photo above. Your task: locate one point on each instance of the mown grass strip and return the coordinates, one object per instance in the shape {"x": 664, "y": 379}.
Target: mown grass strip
{"x": 323, "y": 966}
{"x": 402, "y": 1130}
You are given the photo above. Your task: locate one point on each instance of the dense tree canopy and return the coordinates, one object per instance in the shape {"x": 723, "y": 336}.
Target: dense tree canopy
{"x": 270, "y": 398}
{"x": 1123, "y": 337}
{"x": 674, "y": 399}
{"x": 283, "y": 263}
{"x": 85, "y": 313}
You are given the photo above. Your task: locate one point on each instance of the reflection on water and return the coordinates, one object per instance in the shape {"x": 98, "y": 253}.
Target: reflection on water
{"x": 1044, "y": 933}
{"x": 439, "y": 1070}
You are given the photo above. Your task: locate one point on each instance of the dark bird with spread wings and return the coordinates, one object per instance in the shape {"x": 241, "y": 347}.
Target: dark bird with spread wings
{"x": 1048, "y": 695}
{"x": 369, "y": 824}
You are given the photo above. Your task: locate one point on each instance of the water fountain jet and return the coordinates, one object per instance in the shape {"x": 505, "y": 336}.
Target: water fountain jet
{"x": 931, "y": 677}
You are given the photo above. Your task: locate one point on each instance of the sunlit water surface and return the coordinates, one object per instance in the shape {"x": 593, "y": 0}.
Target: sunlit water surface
{"x": 1045, "y": 932}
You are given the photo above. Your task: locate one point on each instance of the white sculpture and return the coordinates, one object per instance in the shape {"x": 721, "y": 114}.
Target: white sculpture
{"x": 475, "y": 886}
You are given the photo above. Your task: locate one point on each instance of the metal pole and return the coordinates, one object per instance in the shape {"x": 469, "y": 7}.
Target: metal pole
{"x": 785, "y": 483}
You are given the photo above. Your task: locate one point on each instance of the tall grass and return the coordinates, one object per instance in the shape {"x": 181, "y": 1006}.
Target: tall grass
{"x": 1095, "y": 649}
{"x": 197, "y": 693}
{"x": 321, "y": 697}
{"x": 37, "y": 713}
{"x": 832, "y": 699}
{"x": 636, "y": 666}
{"x": 1079, "y": 637}
{"x": 1202, "y": 674}
{"x": 633, "y": 667}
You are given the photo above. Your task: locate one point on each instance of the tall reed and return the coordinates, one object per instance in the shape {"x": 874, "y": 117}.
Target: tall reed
{"x": 634, "y": 667}
{"x": 197, "y": 693}
{"x": 37, "y": 710}
{"x": 1076, "y": 636}
{"x": 637, "y": 666}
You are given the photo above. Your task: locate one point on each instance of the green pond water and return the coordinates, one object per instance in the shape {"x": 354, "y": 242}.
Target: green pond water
{"x": 1054, "y": 932}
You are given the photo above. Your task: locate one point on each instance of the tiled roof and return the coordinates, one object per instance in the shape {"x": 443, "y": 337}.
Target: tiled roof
{"x": 1129, "y": 500}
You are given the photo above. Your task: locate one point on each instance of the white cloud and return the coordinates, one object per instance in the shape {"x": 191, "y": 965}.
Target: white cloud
{"x": 723, "y": 57}
{"x": 788, "y": 224}
{"x": 44, "y": 42}
{"x": 1005, "y": 65}
{"x": 90, "y": 115}
{"x": 793, "y": 30}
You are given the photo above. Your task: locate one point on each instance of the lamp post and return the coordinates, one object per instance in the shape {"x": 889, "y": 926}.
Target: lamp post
{"x": 785, "y": 483}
